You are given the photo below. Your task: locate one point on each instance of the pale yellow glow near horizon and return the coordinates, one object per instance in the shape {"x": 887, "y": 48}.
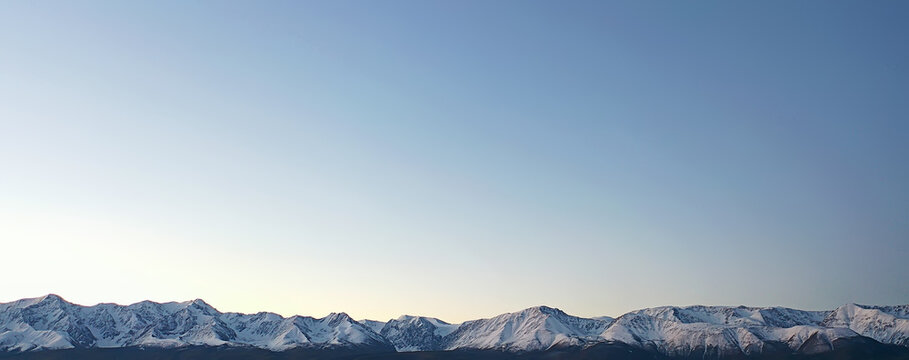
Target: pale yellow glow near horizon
{"x": 89, "y": 260}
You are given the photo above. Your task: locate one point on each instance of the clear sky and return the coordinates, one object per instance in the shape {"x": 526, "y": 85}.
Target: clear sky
{"x": 457, "y": 159}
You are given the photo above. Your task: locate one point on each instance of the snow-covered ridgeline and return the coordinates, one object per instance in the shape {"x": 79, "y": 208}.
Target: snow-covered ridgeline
{"x": 51, "y": 323}
{"x": 742, "y": 330}
{"x": 536, "y": 328}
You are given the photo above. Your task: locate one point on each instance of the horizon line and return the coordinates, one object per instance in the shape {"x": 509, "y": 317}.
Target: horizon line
{"x": 61, "y": 298}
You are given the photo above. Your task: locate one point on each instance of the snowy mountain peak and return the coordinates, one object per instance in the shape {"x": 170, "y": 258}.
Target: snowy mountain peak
{"x": 416, "y": 333}
{"x": 407, "y": 318}
{"x": 202, "y": 306}
{"x": 52, "y": 298}
{"x": 535, "y": 328}
{"x": 543, "y": 310}
{"x": 199, "y": 303}
{"x": 338, "y": 318}
{"x": 49, "y": 299}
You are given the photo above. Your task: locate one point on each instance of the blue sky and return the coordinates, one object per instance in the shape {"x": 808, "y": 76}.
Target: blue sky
{"x": 455, "y": 159}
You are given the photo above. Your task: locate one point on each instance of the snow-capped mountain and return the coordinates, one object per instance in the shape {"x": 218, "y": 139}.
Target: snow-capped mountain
{"x": 417, "y": 333}
{"x": 49, "y": 322}
{"x": 886, "y": 324}
{"x": 536, "y": 328}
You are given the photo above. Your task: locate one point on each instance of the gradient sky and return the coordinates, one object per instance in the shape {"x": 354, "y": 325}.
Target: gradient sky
{"x": 457, "y": 159}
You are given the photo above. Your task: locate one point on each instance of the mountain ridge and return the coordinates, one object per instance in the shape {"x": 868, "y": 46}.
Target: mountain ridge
{"x": 50, "y": 322}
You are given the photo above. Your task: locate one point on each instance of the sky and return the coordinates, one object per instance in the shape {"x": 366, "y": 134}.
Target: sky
{"x": 456, "y": 159}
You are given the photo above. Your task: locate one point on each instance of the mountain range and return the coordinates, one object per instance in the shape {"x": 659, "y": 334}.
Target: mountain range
{"x": 51, "y": 323}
